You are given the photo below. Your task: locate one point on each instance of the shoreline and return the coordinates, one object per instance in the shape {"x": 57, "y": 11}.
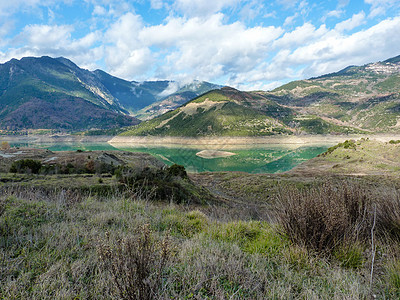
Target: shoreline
{"x": 55, "y": 138}
{"x": 126, "y": 141}
{"x": 245, "y": 141}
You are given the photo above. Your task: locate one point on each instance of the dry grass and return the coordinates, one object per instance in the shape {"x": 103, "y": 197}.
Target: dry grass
{"x": 136, "y": 264}
{"x": 61, "y": 245}
{"x": 321, "y": 218}
{"x": 326, "y": 217}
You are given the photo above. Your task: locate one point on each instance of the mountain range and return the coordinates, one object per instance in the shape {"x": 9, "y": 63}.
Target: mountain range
{"x": 358, "y": 99}
{"x": 54, "y": 93}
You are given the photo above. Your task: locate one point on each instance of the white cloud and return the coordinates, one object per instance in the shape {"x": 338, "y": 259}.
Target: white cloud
{"x": 38, "y": 40}
{"x": 156, "y": 4}
{"x": 349, "y": 24}
{"x": 45, "y": 36}
{"x": 203, "y": 8}
{"x": 308, "y": 52}
{"x": 379, "y": 7}
{"x": 126, "y": 55}
{"x": 290, "y": 20}
{"x": 335, "y": 13}
{"x": 300, "y": 36}
{"x": 172, "y": 87}
{"x": 207, "y": 48}
{"x": 99, "y": 10}
{"x": 335, "y": 51}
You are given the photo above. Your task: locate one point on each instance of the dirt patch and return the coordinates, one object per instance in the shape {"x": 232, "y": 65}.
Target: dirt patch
{"x": 214, "y": 154}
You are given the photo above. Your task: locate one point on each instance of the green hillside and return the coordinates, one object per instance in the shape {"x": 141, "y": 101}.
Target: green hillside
{"x": 168, "y": 103}
{"x": 366, "y": 98}
{"x": 52, "y": 93}
{"x": 229, "y": 112}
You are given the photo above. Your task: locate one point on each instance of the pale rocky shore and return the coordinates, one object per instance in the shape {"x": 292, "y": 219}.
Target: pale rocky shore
{"x": 210, "y": 142}
{"x": 120, "y": 141}
{"x": 67, "y": 138}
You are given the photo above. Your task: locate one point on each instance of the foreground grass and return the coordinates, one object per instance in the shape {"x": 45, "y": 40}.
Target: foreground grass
{"x": 51, "y": 245}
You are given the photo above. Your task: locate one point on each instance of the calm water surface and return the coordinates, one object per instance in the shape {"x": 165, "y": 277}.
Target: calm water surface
{"x": 258, "y": 159}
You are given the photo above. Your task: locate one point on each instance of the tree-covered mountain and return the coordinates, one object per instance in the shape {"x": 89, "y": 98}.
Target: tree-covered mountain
{"x": 54, "y": 93}
{"x": 149, "y": 99}
{"x": 364, "y": 97}
{"x": 228, "y": 112}
{"x": 184, "y": 94}
{"x": 357, "y": 99}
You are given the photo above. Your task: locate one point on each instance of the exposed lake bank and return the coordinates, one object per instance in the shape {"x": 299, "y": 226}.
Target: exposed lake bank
{"x": 246, "y": 141}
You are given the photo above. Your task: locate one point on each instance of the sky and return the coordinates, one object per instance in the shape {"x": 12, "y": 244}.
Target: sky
{"x": 246, "y": 44}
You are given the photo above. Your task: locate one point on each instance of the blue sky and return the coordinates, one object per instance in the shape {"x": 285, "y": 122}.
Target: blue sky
{"x": 247, "y": 44}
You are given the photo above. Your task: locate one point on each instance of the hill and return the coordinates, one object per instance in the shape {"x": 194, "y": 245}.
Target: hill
{"x": 230, "y": 112}
{"x": 364, "y": 97}
{"x": 149, "y": 99}
{"x": 357, "y": 158}
{"x": 55, "y": 94}
{"x": 184, "y": 94}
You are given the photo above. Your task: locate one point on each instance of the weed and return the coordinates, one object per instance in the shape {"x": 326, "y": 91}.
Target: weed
{"x": 136, "y": 264}
{"x": 350, "y": 256}
{"x": 323, "y": 217}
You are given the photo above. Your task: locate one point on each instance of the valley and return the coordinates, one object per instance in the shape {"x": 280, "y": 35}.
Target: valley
{"x": 230, "y": 194}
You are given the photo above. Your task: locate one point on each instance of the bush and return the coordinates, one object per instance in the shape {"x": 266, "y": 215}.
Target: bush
{"x": 136, "y": 264}
{"x": 348, "y": 144}
{"x": 28, "y": 166}
{"x": 169, "y": 184}
{"x": 323, "y": 218}
{"x": 5, "y": 145}
{"x": 394, "y": 142}
{"x": 388, "y": 215}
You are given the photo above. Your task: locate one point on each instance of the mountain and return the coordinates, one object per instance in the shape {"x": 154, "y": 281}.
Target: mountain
{"x": 357, "y": 99}
{"x": 220, "y": 112}
{"x": 149, "y": 99}
{"x": 55, "y": 94}
{"x": 181, "y": 96}
{"x": 363, "y": 97}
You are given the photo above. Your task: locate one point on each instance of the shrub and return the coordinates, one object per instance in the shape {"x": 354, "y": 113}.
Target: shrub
{"x": 350, "y": 256}
{"x": 348, "y": 144}
{"x": 394, "y": 142}
{"x": 136, "y": 264}
{"x": 388, "y": 215}
{"x": 187, "y": 224}
{"x": 177, "y": 170}
{"x": 169, "y": 184}
{"x": 5, "y": 145}
{"x": 324, "y": 217}
{"x": 26, "y": 166}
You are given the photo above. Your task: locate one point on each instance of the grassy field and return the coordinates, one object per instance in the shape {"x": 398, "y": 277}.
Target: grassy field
{"x": 284, "y": 236}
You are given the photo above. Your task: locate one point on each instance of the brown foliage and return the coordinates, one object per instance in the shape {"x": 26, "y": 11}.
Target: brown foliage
{"x": 136, "y": 264}
{"x": 321, "y": 218}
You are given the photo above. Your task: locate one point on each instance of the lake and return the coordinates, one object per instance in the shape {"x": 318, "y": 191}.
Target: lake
{"x": 251, "y": 159}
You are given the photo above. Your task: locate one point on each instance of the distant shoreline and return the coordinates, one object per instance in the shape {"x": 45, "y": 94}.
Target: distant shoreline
{"x": 246, "y": 141}
{"x": 126, "y": 141}
{"x": 55, "y": 138}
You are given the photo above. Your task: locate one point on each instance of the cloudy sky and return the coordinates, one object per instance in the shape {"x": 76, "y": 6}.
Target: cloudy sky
{"x": 248, "y": 44}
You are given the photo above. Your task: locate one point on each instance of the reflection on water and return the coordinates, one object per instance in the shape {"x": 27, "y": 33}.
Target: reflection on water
{"x": 255, "y": 159}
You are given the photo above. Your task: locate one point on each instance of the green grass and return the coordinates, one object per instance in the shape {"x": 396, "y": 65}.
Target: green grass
{"x": 50, "y": 249}
{"x": 230, "y": 120}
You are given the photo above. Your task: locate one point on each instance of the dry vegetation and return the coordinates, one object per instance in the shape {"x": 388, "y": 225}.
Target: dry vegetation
{"x": 62, "y": 245}
{"x": 157, "y": 233}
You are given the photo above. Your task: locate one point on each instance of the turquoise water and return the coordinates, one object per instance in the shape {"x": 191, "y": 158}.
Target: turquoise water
{"x": 261, "y": 159}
